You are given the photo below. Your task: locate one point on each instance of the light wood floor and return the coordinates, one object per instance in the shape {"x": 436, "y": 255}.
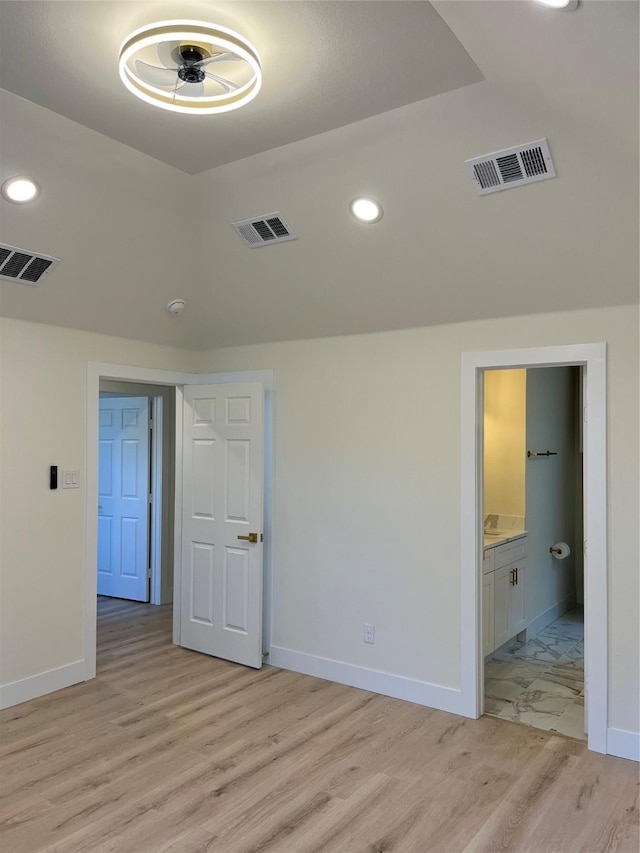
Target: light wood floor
{"x": 168, "y": 750}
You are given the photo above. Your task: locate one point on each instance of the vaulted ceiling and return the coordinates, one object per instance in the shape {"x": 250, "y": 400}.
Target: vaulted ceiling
{"x": 325, "y": 64}
{"x": 387, "y": 98}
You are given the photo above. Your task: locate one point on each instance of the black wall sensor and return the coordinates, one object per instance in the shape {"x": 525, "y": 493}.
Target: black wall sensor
{"x": 53, "y": 477}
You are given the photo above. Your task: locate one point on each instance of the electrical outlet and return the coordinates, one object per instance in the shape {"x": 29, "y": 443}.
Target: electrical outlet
{"x": 368, "y": 633}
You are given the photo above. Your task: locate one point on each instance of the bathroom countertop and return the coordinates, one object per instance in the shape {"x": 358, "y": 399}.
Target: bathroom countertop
{"x": 504, "y": 536}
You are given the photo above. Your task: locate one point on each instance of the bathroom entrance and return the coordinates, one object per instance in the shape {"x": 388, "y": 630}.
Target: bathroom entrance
{"x": 532, "y": 580}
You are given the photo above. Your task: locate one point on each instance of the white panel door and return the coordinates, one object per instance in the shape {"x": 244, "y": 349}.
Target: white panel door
{"x": 221, "y": 584}
{"x": 123, "y": 498}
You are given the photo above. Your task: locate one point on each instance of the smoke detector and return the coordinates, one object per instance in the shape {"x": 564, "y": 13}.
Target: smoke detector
{"x": 511, "y": 167}
{"x": 176, "y": 306}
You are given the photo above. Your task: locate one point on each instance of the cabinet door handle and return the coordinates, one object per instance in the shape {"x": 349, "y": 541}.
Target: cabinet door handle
{"x": 516, "y": 571}
{"x": 513, "y": 577}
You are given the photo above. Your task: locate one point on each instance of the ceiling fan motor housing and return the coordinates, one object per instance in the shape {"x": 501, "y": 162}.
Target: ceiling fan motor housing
{"x": 190, "y": 54}
{"x": 191, "y": 74}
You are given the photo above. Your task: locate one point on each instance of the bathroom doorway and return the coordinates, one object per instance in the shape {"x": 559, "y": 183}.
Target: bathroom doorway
{"x": 532, "y": 582}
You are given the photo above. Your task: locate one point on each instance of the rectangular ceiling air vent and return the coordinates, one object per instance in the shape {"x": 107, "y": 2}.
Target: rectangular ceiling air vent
{"x": 23, "y": 266}
{"x": 512, "y": 167}
{"x": 264, "y": 230}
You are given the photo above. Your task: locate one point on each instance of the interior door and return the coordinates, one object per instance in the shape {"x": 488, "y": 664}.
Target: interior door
{"x": 223, "y": 472}
{"x": 123, "y": 498}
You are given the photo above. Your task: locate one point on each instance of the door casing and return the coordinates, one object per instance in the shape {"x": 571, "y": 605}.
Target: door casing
{"x": 100, "y": 370}
{"x": 592, "y": 357}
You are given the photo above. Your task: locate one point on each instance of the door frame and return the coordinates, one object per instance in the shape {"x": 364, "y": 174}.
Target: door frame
{"x": 149, "y": 376}
{"x": 592, "y": 358}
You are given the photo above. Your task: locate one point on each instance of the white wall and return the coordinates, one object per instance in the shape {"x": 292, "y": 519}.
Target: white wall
{"x": 551, "y": 486}
{"x": 117, "y": 219}
{"x": 43, "y": 417}
{"x": 367, "y": 490}
{"x": 505, "y": 397}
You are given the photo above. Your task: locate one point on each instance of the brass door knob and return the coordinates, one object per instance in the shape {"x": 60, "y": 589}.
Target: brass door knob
{"x": 252, "y": 537}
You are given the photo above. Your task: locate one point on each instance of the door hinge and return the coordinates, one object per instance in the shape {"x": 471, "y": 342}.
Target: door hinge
{"x": 584, "y": 414}
{"x": 150, "y": 499}
{"x": 150, "y": 423}
{"x": 149, "y": 573}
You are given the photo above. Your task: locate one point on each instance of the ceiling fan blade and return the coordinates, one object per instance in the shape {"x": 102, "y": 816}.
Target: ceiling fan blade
{"x": 156, "y": 76}
{"x": 218, "y": 57}
{"x": 167, "y": 53}
{"x": 191, "y": 90}
{"x": 227, "y": 85}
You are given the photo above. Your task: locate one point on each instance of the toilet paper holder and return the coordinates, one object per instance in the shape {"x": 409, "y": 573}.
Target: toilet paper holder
{"x": 560, "y": 550}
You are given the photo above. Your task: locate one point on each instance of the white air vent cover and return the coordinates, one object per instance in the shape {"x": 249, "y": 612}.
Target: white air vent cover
{"x": 264, "y": 230}
{"x": 23, "y": 266}
{"x": 512, "y": 167}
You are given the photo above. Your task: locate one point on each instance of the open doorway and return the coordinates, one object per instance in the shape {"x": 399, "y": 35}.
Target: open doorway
{"x": 593, "y": 361}
{"x": 240, "y": 402}
{"x": 136, "y": 484}
{"x": 532, "y": 582}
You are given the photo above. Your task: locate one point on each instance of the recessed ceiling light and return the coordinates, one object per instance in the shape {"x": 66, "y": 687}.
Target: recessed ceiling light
{"x": 366, "y": 210}
{"x": 561, "y": 5}
{"x": 20, "y": 190}
{"x": 190, "y": 67}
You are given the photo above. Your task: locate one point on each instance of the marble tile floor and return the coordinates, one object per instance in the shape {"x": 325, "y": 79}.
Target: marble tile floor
{"x": 540, "y": 683}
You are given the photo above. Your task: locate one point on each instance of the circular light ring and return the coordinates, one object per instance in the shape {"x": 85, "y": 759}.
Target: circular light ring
{"x": 366, "y": 210}
{"x": 190, "y": 31}
{"x": 20, "y": 190}
{"x": 561, "y": 5}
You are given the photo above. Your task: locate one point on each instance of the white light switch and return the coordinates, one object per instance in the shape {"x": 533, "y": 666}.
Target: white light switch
{"x": 71, "y": 479}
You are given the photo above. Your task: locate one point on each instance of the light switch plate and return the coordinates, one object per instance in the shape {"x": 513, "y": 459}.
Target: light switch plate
{"x": 71, "y": 479}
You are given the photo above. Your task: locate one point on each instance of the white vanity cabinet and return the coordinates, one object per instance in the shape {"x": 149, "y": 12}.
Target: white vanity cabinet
{"x": 488, "y": 624}
{"x": 503, "y": 593}
{"x": 508, "y": 603}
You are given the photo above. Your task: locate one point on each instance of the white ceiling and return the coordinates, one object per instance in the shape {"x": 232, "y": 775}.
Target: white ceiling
{"x": 325, "y": 64}
{"x": 133, "y": 232}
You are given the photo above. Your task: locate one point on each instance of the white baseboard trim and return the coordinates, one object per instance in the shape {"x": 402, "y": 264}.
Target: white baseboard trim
{"x": 540, "y": 622}
{"x": 38, "y": 685}
{"x": 397, "y": 686}
{"x": 623, "y": 744}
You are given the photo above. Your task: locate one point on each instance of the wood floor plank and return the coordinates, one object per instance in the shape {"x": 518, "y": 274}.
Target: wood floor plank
{"x": 170, "y": 751}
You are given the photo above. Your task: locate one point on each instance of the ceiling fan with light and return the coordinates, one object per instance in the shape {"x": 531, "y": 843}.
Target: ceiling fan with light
{"x": 169, "y": 64}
